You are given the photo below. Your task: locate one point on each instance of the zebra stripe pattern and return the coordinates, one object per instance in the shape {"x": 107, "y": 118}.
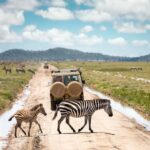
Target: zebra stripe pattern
{"x": 86, "y": 108}
{"x": 29, "y": 115}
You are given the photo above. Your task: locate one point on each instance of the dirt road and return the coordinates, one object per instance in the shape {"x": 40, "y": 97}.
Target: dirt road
{"x": 111, "y": 133}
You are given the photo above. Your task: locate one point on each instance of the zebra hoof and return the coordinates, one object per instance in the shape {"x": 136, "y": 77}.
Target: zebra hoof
{"x": 59, "y": 132}
{"x": 74, "y": 131}
{"x": 91, "y": 131}
{"x": 79, "y": 130}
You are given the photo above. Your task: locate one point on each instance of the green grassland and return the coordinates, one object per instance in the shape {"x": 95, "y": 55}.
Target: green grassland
{"x": 13, "y": 83}
{"x": 118, "y": 81}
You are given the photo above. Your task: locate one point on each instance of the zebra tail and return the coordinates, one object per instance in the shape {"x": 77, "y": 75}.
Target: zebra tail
{"x": 55, "y": 115}
{"x": 11, "y": 118}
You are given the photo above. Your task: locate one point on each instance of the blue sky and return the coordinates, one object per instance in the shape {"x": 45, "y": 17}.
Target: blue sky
{"x": 114, "y": 27}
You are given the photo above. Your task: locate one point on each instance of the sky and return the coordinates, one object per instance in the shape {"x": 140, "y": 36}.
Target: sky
{"x": 113, "y": 27}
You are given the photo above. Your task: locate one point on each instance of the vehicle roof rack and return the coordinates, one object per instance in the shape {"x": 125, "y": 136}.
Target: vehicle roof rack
{"x": 66, "y": 70}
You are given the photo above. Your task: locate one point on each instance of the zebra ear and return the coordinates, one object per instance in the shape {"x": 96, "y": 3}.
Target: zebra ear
{"x": 41, "y": 105}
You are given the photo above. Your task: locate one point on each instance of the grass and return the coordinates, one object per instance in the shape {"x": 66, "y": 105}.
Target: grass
{"x": 12, "y": 84}
{"x": 117, "y": 80}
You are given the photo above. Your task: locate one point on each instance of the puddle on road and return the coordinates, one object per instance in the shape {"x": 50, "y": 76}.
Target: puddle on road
{"x": 127, "y": 111}
{"x": 5, "y": 125}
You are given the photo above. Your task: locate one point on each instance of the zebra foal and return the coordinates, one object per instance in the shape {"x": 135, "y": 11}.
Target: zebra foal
{"x": 29, "y": 115}
{"x": 81, "y": 108}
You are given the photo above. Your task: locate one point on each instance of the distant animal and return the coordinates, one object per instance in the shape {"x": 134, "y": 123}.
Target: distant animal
{"x": 84, "y": 108}
{"x": 32, "y": 71}
{"x": 7, "y": 69}
{"x": 23, "y": 66}
{"x": 136, "y": 68}
{"x": 140, "y": 68}
{"x": 20, "y": 70}
{"x": 28, "y": 115}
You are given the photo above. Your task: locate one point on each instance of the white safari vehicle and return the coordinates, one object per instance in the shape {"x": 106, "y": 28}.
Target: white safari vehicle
{"x": 67, "y": 84}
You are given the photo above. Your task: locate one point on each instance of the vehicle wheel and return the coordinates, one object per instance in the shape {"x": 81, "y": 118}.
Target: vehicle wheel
{"x": 74, "y": 89}
{"x": 58, "y": 90}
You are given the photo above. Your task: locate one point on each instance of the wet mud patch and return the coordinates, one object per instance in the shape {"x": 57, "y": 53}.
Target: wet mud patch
{"x": 5, "y": 125}
{"x": 36, "y": 143}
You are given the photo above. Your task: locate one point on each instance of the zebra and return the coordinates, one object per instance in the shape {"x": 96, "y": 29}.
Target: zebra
{"x": 29, "y": 115}
{"x": 20, "y": 70}
{"x": 32, "y": 71}
{"x": 81, "y": 108}
{"x": 136, "y": 68}
{"x": 7, "y": 69}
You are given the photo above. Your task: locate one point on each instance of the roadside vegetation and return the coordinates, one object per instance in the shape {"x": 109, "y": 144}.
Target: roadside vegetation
{"x": 118, "y": 80}
{"x": 13, "y": 83}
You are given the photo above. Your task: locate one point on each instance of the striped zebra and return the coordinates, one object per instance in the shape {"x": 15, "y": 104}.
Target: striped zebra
{"x": 29, "y": 115}
{"x": 22, "y": 70}
{"x": 7, "y": 69}
{"x": 81, "y": 108}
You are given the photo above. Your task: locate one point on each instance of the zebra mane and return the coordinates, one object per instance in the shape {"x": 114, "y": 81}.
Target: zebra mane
{"x": 35, "y": 107}
{"x": 104, "y": 102}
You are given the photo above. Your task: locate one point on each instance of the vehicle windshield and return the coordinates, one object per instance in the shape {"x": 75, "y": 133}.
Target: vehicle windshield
{"x": 69, "y": 78}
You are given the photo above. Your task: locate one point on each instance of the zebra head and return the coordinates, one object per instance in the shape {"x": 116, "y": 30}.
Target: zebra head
{"x": 4, "y": 67}
{"x": 42, "y": 110}
{"x": 107, "y": 107}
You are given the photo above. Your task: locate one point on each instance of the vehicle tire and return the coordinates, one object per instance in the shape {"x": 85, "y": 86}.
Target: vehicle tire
{"x": 58, "y": 90}
{"x": 74, "y": 89}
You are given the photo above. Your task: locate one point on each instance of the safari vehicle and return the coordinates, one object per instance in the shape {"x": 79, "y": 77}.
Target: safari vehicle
{"x": 67, "y": 84}
{"x": 46, "y": 65}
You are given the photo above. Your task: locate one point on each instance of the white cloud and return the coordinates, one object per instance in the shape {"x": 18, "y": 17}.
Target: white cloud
{"x": 56, "y": 13}
{"x": 20, "y": 4}
{"x": 87, "y": 28}
{"x": 83, "y": 39}
{"x": 54, "y": 36}
{"x": 11, "y": 17}
{"x": 140, "y": 42}
{"x": 7, "y": 36}
{"x": 118, "y": 9}
{"x": 60, "y": 37}
{"x": 87, "y": 2}
{"x": 79, "y": 1}
{"x": 32, "y": 33}
{"x": 103, "y": 28}
{"x": 30, "y": 28}
{"x": 55, "y": 3}
{"x": 147, "y": 26}
{"x": 119, "y": 41}
{"x": 93, "y": 15}
{"x": 130, "y": 27}
{"x": 59, "y": 3}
